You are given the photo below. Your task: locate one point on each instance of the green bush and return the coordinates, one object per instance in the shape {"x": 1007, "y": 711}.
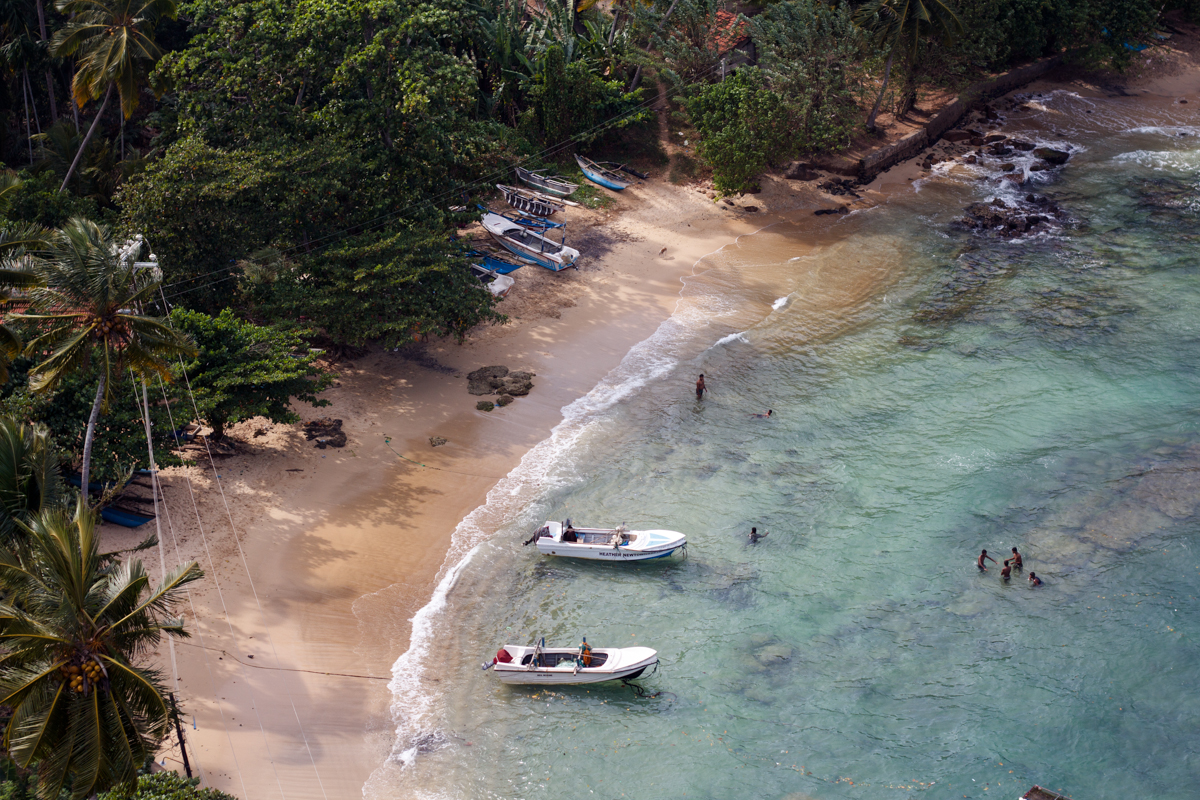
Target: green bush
{"x": 165, "y": 786}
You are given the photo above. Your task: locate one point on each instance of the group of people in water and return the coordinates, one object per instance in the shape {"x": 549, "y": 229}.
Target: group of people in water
{"x": 1014, "y": 562}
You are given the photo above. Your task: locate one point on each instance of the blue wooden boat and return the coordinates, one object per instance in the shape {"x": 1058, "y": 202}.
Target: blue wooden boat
{"x": 598, "y": 174}
{"x": 496, "y": 264}
{"x": 126, "y": 519}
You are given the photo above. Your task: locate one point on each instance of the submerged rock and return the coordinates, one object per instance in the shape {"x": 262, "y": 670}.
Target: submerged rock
{"x": 1052, "y": 156}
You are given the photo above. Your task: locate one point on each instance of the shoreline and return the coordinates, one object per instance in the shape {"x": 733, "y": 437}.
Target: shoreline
{"x": 313, "y": 539}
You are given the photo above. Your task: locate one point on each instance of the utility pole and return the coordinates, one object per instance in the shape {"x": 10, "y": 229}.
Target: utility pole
{"x": 179, "y": 730}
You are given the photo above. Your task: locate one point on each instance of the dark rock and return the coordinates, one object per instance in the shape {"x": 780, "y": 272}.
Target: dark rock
{"x": 977, "y": 141}
{"x": 956, "y": 136}
{"x": 504, "y": 400}
{"x": 517, "y": 384}
{"x": 1052, "y": 156}
{"x": 1184, "y": 102}
{"x": 327, "y": 433}
{"x": 970, "y": 160}
{"x": 1008, "y": 167}
{"x": 996, "y": 201}
{"x": 437, "y": 441}
{"x": 486, "y": 380}
{"x": 1039, "y": 167}
{"x": 751, "y": 209}
{"x": 484, "y": 405}
{"x": 1000, "y": 150}
{"x": 820, "y": 212}
{"x": 1024, "y": 147}
{"x": 992, "y": 138}
{"x": 800, "y": 171}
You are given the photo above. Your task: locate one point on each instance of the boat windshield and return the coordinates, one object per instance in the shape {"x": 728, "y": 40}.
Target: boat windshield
{"x": 531, "y": 240}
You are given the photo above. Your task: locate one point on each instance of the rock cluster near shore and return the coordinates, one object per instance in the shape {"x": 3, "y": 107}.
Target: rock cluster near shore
{"x": 1037, "y": 212}
{"x": 500, "y": 381}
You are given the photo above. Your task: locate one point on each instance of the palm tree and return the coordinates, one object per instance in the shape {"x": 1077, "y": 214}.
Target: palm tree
{"x": 88, "y": 301}
{"x": 73, "y": 634}
{"x": 29, "y": 479}
{"x": 896, "y": 23}
{"x": 115, "y": 38}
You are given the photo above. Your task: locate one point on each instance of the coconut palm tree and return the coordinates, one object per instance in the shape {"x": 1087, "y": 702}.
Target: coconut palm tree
{"x": 88, "y": 306}
{"x": 896, "y": 24}
{"x": 29, "y": 479}
{"x": 116, "y": 47}
{"x": 74, "y": 632}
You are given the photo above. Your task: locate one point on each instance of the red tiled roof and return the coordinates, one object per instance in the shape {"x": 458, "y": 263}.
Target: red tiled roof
{"x": 730, "y": 32}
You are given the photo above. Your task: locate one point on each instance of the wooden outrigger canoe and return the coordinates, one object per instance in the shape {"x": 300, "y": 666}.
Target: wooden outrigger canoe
{"x": 598, "y": 174}
{"x": 550, "y": 184}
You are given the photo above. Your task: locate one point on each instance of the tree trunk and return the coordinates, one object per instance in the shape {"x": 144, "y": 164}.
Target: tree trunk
{"x": 88, "y": 437}
{"x": 887, "y": 74}
{"x": 87, "y": 139}
{"x": 49, "y": 79}
{"x": 36, "y": 119}
{"x": 637, "y": 73}
{"x": 218, "y": 429}
{"x": 28, "y": 132}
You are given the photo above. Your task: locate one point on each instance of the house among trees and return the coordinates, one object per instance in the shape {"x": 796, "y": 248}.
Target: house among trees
{"x": 731, "y": 35}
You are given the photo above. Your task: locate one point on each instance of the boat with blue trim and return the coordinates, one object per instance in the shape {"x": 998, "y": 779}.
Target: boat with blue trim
{"x": 598, "y": 174}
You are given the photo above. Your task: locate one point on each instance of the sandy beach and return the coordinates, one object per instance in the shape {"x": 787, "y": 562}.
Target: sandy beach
{"x": 316, "y": 559}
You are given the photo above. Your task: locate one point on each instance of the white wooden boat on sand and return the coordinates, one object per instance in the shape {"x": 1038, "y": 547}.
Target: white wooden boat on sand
{"x": 539, "y": 664}
{"x": 606, "y": 544}
{"x": 529, "y": 244}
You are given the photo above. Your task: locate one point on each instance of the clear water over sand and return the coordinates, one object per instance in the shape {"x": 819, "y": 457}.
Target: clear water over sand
{"x": 935, "y": 392}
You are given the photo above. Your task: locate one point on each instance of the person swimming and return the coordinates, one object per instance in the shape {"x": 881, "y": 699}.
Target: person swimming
{"x": 755, "y": 536}
{"x": 763, "y": 416}
{"x": 1034, "y": 580}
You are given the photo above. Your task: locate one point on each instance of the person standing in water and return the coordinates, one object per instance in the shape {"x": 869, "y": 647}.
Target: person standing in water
{"x": 979, "y": 562}
{"x": 700, "y": 387}
{"x": 755, "y": 536}
{"x": 1017, "y": 562}
{"x": 1006, "y": 573}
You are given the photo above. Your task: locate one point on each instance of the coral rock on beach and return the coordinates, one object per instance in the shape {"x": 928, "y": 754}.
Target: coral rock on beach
{"x": 498, "y": 380}
{"x": 327, "y": 432}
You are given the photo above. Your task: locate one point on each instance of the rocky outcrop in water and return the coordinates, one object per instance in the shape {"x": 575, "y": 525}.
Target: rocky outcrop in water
{"x": 1008, "y": 220}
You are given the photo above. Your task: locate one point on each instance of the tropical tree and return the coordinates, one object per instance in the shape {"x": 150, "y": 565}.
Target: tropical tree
{"x": 904, "y": 24}
{"x": 115, "y": 43}
{"x": 17, "y": 242}
{"x": 88, "y": 307}
{"x": 29, "y": 477}
{"x": 165, "y": 785}
{"x": 245, "y": 370}
{"x": 76, "y": 627}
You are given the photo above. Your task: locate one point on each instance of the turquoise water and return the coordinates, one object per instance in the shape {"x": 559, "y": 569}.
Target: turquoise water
{"x": 935, "y": 392}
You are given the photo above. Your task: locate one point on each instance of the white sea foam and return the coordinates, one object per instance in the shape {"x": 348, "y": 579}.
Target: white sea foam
{"x": 778, "y": 304}
{"x": 545, "y": 467}
{"x": 1178, "y": 131}
{"x": 1183, "y": 160}
{"x": 733, "y": 337}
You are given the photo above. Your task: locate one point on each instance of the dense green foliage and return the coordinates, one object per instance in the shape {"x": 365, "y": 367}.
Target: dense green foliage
{"x": 244, "y": 370}
{"x": 164, "y": 786}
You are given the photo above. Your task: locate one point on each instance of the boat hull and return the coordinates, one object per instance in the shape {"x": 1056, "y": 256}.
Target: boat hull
{"x": 608, "y": 544}
{"x": 529, "y": 245}
{"x": 597, "y": 175}
{"x": 547, "y": 185}
{"x": 627, "y": 664}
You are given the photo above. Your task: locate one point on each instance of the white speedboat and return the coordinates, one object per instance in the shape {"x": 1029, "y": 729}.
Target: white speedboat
{"x": 529, "y": 244}
{"x": 565, "y": 665}
{"x": 606, "y": 544}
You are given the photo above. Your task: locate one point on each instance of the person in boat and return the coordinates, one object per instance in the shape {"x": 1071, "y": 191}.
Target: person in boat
{"x": 755, "y": 536}
{"x": 979, "y": 562}
{"x": 1006, "y": 573}
{"x": 585, "y": 654}
{"x": 1017, "y": 562}
{"x": 569, "y": 535}
{"x": 700, "y": 387}
{"x": 763, "y": 416}
{"x": 502, "y": 657}
{"x": 1034, "y": 580}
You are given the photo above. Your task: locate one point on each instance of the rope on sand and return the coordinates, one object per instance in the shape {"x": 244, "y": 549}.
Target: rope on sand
{"x": 286, "y": 669}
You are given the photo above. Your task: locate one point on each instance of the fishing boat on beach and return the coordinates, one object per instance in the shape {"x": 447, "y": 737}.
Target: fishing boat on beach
{"x": 538, "y": 664}
{"x": 499, "y": 285}
{"x": 529, "y": 244}
{"x": 606, "y": 544}
{"x": 495, "y": 263}
{"x": 530, "y": 202}
{"x": 607, "y": 178}
{"x": 550, "y": 184}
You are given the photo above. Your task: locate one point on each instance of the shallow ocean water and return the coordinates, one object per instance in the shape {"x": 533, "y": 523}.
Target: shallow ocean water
{"x": 935, "y": 392}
